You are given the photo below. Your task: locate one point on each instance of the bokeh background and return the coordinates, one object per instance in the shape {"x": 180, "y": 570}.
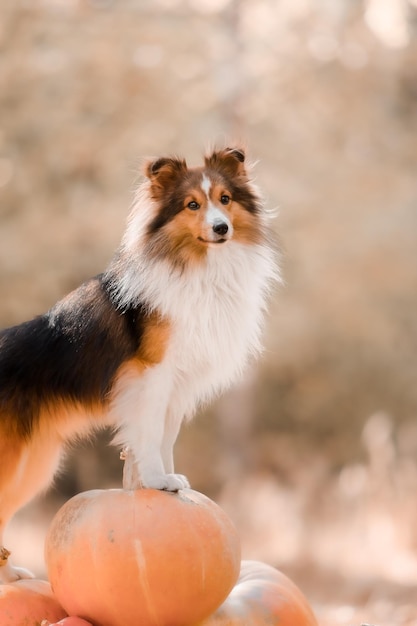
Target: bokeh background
{"x": 314, "y": 455}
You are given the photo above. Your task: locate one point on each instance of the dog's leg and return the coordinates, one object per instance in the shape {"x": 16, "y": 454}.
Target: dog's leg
{"x": 26, "y": 469}
{"x": 9, "y": 573}
{"x": 171, "y": 430}
{"x": 12, "y": 458}
{"x": 140, "y": 408}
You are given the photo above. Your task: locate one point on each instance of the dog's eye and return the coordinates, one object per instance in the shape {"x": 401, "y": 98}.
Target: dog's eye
{"x": 225, "y": 199}
{"x": 193, "y": 205}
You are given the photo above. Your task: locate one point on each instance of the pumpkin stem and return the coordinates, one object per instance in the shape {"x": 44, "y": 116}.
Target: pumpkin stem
{"x": 131, "y": 479}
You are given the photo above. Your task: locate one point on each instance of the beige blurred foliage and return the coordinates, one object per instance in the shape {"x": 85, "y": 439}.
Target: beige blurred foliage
{"x": 315, "y": 455}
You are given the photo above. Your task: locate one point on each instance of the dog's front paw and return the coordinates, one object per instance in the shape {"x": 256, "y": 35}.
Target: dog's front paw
{"x": 9, "y": 573}
{"x": 175, "y": 482}
{"x": 166, "y": 482}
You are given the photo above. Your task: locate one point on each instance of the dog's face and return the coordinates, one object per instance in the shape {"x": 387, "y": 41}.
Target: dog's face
{"x": 203, "y": 208}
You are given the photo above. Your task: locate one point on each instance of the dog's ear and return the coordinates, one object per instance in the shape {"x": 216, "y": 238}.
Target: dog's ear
{"x": 237, "y": 153}
{"x": 163, "y": 172}
{"x": 229, "y": 160}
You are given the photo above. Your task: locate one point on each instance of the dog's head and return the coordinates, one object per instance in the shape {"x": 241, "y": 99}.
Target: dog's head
{"x": 202, "y": 208}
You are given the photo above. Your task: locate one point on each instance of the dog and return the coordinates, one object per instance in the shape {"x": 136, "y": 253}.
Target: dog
{"x": 170, "y": 323}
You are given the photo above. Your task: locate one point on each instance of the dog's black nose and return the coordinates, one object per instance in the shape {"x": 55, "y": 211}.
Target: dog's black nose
{"x": 220, "y": 228}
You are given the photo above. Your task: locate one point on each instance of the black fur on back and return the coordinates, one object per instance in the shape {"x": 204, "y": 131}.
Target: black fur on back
{"x": 70, "y": 353}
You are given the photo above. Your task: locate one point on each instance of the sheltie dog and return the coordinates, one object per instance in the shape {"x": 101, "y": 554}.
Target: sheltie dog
{"x": 171, "y": 322}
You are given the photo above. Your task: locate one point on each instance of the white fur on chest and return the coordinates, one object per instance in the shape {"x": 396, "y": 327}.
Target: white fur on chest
{"x": 216, "y": 316}
{"x": 216, "y": 313}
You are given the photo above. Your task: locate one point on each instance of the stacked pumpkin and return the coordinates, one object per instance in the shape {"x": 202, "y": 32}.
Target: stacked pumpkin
{"x": 139, "y": 556}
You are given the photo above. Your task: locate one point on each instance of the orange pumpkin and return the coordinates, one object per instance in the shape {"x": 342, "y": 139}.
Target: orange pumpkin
{"x": 147, "y": 557}
{"x": 27, "y": 602}
{"x": 263, "y": 596}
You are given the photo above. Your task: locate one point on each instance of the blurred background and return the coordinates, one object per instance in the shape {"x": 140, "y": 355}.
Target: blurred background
{"x": 314, "y": 455}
